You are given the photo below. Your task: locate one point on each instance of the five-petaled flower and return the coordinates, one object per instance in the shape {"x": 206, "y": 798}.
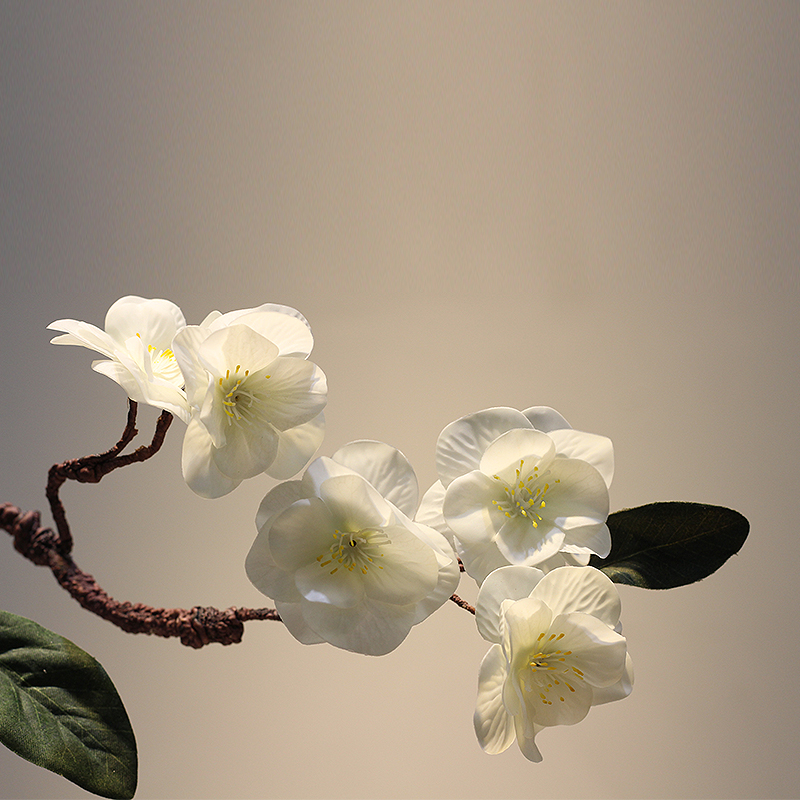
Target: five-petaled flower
{"x": 520, "y": 488}
{"x": 556, "y": 652}
{"x": 256, "y": 401}
{"x": 340, "y": 556}
{"x": 137, "y": 344}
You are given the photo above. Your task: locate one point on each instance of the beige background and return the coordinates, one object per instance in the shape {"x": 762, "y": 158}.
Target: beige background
{"x": 590, "y": 206}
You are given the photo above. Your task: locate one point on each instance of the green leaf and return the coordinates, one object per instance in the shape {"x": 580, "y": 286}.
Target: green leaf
{"x": 663, "y": 545}
{"x": 60, "y": 710}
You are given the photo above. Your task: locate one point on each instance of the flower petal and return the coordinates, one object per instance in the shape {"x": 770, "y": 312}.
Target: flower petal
{"x": 494, "y": 726}
{"x": 545, "y": 419}
{"x": 222, "y": 350}
{"x": 199, "y": 470}
{"x": 504, "y": 454}
{"x": 576, "y": 489}
{"x": 480, "y": 559}
{"x": 266, "y": 575}
{"x": 278, "y": 499}
{"x": 83, "y": 334}
{"x": 386, "y": 468}
{"x": 430, "y": 511}
{"x": 521, "y": 543}
{"x": 373, "y": 629}
{"x": 292, "y": 617}
{"x": 301, "y": 533}
{"x": 468, "y": 507}
{"x": 329, "y": 582}
{"x": 408, "y": 570}
{"x": 291, "y": 334}
{"x": 296, "y": 446}
{"x": 462, "y": 443}
{"x": 588, "y": 540}
{"x": 596, "y": 450}
{"x": 597, "y": 651}
{"x": 617, "y": 691}
{"x": 155, "y": 321}
{"x": 186, "y": 346}
{"x": 584, "y": 589}
{"x": 354, "y": 504}
{"x": 247, "y": 452}
{"x": 506, "y": 583}
{"x": 297, "y": 392}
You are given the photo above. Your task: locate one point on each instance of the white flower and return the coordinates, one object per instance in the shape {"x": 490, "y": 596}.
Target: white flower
{"x": 520, "y": 488}
{"x": 340, "y": 556}
{"x": 137, "y": 341}
{"x": 256, "y": 402}
{"x": 557, "y": 651}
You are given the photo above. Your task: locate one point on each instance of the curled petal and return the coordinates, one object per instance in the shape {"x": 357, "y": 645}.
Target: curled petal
{"x": 617, "y": 691}
{"x": 494, "y": 726}
{"x": 430, "y": 511}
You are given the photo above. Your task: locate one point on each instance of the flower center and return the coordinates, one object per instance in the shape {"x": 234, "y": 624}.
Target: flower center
{"x": 548, "y": 673}
{"x": 355, "y": 550}
{"x": 164, "y": 365}
{"x": 241, "y": 397}
{"x": 525, "y": 497}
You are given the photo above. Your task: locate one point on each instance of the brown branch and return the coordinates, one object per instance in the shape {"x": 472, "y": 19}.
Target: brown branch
{"x": 194, "y": 627}
{"x": 462, "y": 603}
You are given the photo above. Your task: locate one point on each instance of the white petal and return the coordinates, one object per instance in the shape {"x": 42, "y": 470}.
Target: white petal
{"x": 468, "y": 507}
{"x": 494, "y": 727}
{"x": 320, "y": 469}
{"x": 279, "y": 499}
{"x": 247, "y": 451}
{"x": 462, "y": 443}
{"x": 596, "y": 450}
{"x": 373, "y": 629}
{"x": 386, "y": 468}
{"x": 521, "y": 543}
{"x": 617, "y": 691}
{"x": 527, "y": 744}
{"x": 266, "y": 575}
{"x": 525, "y": 621}
{"x": 430, "y": 511}
{"x": 223, "y": 350}
{"x": 354, "y": 504}
{"x": 449, "y": 573}
{"x": 293, "y": 619}
{"x": 296, "y": 446}
{"x": 481, "y": 559}
{"x": 555, "y": 699}
{"x": 545, "y": 419}
{"x": 504, "y": 454}
{"x": 296, "y": 392}
{"x": 597, "y": 651}
{"x": 587, "y": 540}
{"x": 186, "y": 346}
{"x": 300, "y": 534}
{"x": 584, "y": 589}
{"x": 291, "y": 334}
{"x": 84, "y": 335}
{"x": 576, "y": 489}
{"x": 406, "y": 572}
{"x": 199, "y": 470}
{"x": 329, "y": 582}
{"x": 506, "y": 583}
{"x": 155, "y": 321}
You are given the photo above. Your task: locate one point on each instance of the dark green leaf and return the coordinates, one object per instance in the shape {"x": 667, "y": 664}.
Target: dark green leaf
{"x": 663, "y": 545}
{"x": 60, "y": 710}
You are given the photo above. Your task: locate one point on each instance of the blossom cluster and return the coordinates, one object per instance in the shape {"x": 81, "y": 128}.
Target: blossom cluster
{"x": 347, "y": 551}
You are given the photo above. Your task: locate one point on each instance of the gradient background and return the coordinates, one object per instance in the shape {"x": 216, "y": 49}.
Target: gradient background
{"x": 592, "y": 206}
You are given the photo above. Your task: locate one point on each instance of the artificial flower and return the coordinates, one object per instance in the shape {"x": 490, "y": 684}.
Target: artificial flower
{"x": 256, "y": 401}
{"x": 557, "y": 650}
{"x": 137, "y": 343}
{"x": 520, "y": 488}
{"x": 339, "y": 554}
